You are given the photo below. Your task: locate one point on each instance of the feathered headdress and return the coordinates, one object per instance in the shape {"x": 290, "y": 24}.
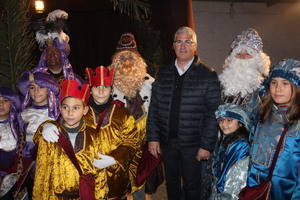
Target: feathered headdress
{"x": 51, "y": 33}
{"x": 53, "y": 28}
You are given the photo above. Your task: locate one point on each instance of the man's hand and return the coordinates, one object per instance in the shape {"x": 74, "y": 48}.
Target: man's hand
{"x": 154, "y": 148}
{"x": 202, "y": 154}
{"x": 50, "y": 132}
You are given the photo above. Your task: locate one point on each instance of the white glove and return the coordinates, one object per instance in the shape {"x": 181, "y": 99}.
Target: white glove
{"x": 50, "y": 132}
{"x": 104, "y": 161}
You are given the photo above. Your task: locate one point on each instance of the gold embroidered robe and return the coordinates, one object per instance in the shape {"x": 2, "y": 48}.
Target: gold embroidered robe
{"x": 56, "y": 177}
{"x": 117, "y": 138}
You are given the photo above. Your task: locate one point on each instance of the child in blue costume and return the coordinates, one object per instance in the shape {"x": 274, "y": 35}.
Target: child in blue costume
{"x": 280, "y": 107}
{"x": 231, "y": 159}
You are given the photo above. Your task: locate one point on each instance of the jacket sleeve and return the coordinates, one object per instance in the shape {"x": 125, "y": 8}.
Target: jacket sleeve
{"x": 151, "y": 127}
{"x": 212, "y": 99}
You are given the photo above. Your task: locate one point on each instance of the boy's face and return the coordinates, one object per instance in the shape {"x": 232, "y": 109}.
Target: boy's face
{"x": 72, "y": 110}
{"x": 101, "y": 94}
{"x": 39, "y": 95}
{"x": 5, "y": 106}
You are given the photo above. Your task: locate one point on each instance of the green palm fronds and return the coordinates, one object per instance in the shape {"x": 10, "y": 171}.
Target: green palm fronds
{"x": 16, "y": 41}
{"x": 138, "y": 9}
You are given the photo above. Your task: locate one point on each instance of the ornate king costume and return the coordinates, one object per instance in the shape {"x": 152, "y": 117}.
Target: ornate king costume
{"x": 132, "y": 86}
{"x": 242, "y": 77}
{"x": 52, "y": 35}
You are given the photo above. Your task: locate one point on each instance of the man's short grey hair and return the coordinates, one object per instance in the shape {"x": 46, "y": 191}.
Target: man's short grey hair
{"x": 187, "y": 30}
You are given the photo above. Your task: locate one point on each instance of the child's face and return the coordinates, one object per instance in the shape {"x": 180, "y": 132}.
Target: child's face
{"x": 39, "y": 95}
{"x": 281, "y": 91}
{"x": 101, "y": 94}
{"x": 72, "y": 110}
{"x": 5, "y": 106}
{"x": 228, "y": 125}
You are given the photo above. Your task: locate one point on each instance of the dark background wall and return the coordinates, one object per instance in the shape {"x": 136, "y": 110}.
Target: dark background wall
{"x": 95, "y": 28}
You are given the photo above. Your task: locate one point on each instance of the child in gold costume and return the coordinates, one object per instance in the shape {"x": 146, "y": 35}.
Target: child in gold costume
{"x": 116, "y": 129}
{"x": 56, "y": 177}
{"x": 117, "y": 140}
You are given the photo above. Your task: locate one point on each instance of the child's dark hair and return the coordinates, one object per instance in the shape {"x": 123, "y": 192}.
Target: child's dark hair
{"x": 241, "y": 132}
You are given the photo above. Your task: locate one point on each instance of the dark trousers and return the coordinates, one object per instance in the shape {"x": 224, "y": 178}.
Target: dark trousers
{"x": 183, "y": 172}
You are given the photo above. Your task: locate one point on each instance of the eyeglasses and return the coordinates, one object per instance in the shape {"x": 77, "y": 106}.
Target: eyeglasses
{"x": 186, "y": 42}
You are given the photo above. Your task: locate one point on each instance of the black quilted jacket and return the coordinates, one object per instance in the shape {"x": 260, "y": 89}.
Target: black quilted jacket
{"x": 200, "y": 98}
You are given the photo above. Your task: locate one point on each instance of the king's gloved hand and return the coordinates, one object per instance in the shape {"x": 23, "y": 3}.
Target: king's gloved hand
{"x": 104, "y": 161}
{"x": 50, "y": 132}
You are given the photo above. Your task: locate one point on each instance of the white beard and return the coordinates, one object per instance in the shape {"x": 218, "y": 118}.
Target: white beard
{"x": 244, "y": 76}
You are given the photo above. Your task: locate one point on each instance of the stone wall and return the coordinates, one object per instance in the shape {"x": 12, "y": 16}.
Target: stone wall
{"x": 217, "y": 23}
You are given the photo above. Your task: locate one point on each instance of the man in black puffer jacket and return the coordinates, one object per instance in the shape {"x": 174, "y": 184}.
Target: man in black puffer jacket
{"x": 181, "y": 123}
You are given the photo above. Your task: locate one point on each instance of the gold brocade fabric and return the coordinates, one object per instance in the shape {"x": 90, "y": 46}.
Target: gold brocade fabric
{"x": 141, "y": 135}
{"x": 56, "y": 177}
{"x": 118, "y": 137}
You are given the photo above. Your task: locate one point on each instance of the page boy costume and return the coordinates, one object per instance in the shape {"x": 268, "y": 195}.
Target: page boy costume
{"x": 285, "y": 179}
{"x": 34, "y": 115}
{"x": 56, "y": 176}
{"x": 10, "y": 143}
{"x": 231, "y": 158}
{"x": 117, "y": 134}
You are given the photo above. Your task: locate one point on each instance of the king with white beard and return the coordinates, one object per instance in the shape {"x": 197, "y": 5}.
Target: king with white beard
{"x": 244, "y": 69}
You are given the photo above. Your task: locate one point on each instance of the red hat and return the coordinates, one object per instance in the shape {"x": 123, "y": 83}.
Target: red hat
{"x": 127, "y": 42}
{"x": 72, "y": 88}
{"x": 101, "y": 76}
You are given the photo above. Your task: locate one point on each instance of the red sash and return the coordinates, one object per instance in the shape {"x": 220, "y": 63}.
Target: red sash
{"x": 86, "y": 182}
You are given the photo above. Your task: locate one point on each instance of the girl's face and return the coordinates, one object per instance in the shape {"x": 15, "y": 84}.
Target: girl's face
{"x": 101, "y": 94}
{"x": 5, "y": 106}
{"x": 39, "y": 95}
{"x": 281, "y": 91}
{"x": 228, "y": 125}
